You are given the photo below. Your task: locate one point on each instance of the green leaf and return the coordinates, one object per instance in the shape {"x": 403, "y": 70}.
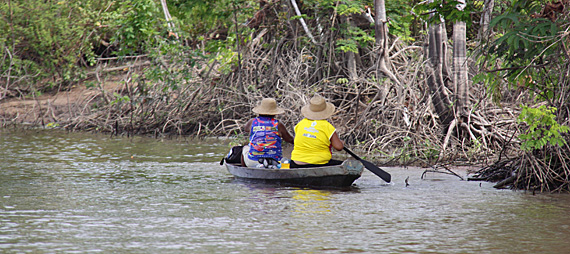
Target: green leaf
{"x": 505, "y": 20}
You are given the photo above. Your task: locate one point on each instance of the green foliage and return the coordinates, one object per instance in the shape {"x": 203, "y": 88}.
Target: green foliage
{"x": 445, "y": 10}
{"x": 119, "y": 99}
{"x": 56, "y": 40}
{"x": 542, "y": 128}
{"x": 524, "y": 52}
{"x": 400, "y": 26}
{"x": 398, "y": 13}
{"x": 170, "y": 71}
{"x": 212, "y": 14}
{"x": 46, "y": 39}
{"x": 212, "y": 24}
{"x": 524, "y": 41}
{"x": 428, "y": 151}
{"x": 349, "y": 7}
{"x": 139, "y": 28}
{"x": 492, "y": 82}
{"x": 360, "y": 36}
{"x": 346, "y": 45}
{"x": 224, "y": 52}
{"x": 354, "y": 37}
{"x": 342, "y": 81}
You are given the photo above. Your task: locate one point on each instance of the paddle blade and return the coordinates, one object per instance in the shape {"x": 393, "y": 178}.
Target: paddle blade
{"x": 376, "y": 170}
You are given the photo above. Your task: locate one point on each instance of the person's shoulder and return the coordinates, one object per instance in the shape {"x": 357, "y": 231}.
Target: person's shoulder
{"x": 325, "y": 121}
{"x": 328, "y": 124}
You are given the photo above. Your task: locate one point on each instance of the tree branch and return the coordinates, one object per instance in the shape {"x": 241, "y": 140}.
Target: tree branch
{"x": 294, "y": 3}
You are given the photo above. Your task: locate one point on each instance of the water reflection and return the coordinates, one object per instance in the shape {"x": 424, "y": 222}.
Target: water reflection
{"x": 308, "y": 201}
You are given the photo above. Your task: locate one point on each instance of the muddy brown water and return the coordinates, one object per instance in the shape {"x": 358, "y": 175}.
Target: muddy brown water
{"x": 87, "y": 193}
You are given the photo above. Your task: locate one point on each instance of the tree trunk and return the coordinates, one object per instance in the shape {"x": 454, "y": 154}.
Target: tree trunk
{"x": 445, "y": 70}
{"x": 350, "y": 58}
{"x": 486, "y": 19}
{"x": 383, "y": 62}
{"x": 460, "y": 78}
{"x": 381, "y": 36}
{"x": 435, "y": 81}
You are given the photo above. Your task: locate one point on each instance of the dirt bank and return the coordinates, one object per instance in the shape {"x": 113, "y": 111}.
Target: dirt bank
{"x": 54, "y": 107}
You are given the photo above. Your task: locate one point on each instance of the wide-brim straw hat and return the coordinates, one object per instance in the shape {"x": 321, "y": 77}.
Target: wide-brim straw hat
{"x": 318, "y": 109}
{"x": 268, "y": 106}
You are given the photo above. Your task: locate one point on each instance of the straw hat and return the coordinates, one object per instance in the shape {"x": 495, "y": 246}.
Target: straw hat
{"x": 318, "y": 109}
{"x": 268, "y": 106}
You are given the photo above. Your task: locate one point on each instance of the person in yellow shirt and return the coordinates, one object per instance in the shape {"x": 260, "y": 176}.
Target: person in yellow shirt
{"x": 315, "y": 136}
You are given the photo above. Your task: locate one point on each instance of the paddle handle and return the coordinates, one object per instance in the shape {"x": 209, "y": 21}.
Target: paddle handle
{"x": 351, "y": 153}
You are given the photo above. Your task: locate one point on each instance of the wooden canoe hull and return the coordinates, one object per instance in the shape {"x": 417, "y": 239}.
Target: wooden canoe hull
{"x": 330, "y": 176}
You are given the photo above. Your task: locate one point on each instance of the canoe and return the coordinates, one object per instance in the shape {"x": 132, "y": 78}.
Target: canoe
{"x": 329, "y": 176}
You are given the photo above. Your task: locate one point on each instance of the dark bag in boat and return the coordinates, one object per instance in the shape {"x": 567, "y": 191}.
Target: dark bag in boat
{"x": 234, "y": 156}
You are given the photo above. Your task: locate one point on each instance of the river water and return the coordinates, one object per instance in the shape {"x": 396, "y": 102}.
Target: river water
{"x": 90, "y": 193}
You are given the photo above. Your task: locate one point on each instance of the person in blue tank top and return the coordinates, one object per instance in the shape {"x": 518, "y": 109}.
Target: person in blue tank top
{"x": 265, "y": 136}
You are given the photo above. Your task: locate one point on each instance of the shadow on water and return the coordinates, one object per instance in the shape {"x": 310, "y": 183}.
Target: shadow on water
{"x": 260, "y": 184}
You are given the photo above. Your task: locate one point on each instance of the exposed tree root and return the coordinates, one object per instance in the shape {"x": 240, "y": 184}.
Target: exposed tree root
{"x": 543, "y": 170}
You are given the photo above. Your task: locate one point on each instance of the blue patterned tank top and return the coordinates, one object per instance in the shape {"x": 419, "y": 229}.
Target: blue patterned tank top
{"x": 264, "y": 140}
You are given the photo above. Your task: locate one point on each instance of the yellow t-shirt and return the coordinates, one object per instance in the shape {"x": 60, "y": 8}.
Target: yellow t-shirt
{"x": 313, "y": 141}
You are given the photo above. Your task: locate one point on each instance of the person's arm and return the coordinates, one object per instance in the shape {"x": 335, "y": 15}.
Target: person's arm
{"x": 284, "y": 134}
{"x": 247, "y": 126}
{"x": 336, "y": 142}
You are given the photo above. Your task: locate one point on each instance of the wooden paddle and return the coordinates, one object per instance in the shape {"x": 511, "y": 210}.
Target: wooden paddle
{"x": 373, "y": 168}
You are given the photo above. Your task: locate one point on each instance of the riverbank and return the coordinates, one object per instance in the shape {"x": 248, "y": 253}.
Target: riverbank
{"x": 54, "y": 107}
{"x": 57, "y": 109}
